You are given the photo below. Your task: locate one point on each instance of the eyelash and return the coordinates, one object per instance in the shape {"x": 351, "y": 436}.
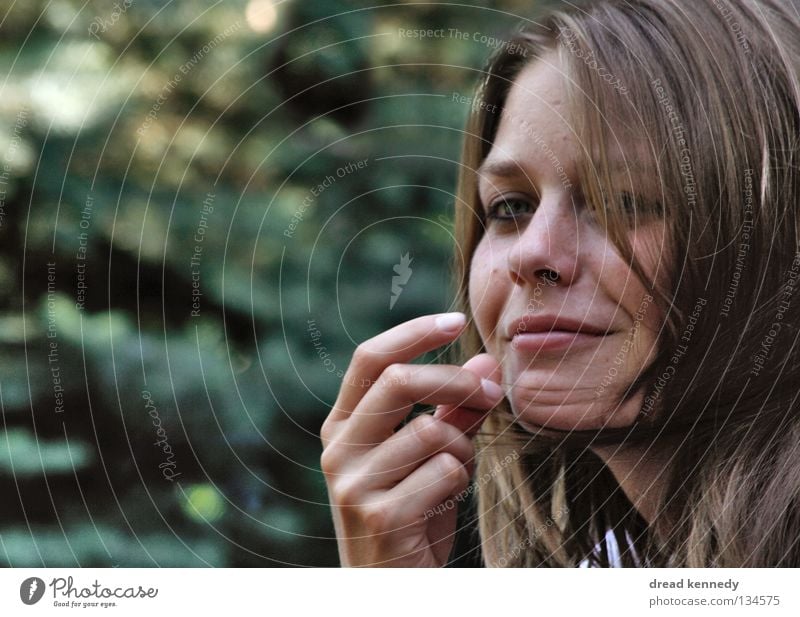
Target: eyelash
{"x": 630, "y": 204}
{"x": 492, "y": 210}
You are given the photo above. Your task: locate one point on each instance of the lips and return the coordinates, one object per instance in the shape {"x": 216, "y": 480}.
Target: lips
{"x": 548, "y": 324}
{"x": 552, "y": 334}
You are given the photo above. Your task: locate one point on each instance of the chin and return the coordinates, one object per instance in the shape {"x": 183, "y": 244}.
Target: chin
{"x": 577, "y": 390}
{"x": 566, "y": 410}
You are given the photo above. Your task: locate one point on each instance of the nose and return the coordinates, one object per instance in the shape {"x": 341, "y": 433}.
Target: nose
{"x": 547, "y": 247}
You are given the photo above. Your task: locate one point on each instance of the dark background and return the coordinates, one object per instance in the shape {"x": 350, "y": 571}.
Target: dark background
{"x": 144, "y": 125}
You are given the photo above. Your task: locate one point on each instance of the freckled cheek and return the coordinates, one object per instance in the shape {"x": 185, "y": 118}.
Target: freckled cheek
{"x": 647, "y": 246}
{"x": 622, "y": 285}
{"x": 652, "y": 250}
{"x": 486, "y": 290}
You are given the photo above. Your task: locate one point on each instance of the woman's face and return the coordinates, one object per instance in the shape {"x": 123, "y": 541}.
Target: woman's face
{"x": 553, "y": 301}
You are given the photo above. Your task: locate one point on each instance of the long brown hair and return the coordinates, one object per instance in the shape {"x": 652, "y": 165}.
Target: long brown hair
{"x": 706, "y": 96}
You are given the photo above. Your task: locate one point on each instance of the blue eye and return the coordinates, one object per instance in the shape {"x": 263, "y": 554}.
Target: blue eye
{"x": 509, "y": 208}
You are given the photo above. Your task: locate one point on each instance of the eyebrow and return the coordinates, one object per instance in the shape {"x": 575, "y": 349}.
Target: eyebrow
{"x": 509, "y": 168}
{"x": 501, "y": 169}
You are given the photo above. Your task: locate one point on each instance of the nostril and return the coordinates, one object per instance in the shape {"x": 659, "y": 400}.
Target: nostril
{"x": 548, "y": 275}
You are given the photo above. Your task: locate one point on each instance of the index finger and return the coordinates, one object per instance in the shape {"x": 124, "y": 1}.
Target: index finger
{"x": 400, "y": 344}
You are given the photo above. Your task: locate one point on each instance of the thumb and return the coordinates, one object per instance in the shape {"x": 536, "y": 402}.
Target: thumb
{"x": 467, "y": 419}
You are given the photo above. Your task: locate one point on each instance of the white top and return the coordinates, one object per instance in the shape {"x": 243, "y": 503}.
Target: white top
{"x": 613, "y": 551}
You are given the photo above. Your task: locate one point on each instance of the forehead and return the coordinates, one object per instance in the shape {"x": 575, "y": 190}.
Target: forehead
{"x": 538, "y": 91}
{"x": 537, "y": 134}
{"x": 534, "y": 133}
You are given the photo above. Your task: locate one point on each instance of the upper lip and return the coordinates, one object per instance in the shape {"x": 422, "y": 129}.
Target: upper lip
{"x": 550, "y": 323}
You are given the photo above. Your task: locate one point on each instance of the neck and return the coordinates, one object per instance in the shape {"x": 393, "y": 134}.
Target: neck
{"x": 641, "y": 473}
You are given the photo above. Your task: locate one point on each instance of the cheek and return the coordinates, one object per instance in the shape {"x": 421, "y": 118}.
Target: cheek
{"x": 650, "y": 251}
{"x": 633, "y": 299}
{"x": 487, "y": 290}
{"x": 619, "y": 282}
{"x": 650, "y": 245}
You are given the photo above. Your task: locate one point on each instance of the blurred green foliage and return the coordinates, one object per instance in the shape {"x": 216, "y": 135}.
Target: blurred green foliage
{"x": 153, "y": 151}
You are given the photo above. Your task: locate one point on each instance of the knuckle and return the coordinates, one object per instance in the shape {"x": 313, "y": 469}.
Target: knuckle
{"x": 346, "y": 491}
{"x": 394, "y": 375}
{"x": 450, "y": 467}
{"x": 428, "y": 431}
{"x": 326, "y": 432}
{"x": 376, "y": 516}
{"x": 329, "y": 461}
{"x": 362, "y": 355}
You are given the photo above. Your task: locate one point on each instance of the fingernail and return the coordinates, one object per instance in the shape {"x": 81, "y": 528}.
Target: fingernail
{"x": 492, "y": 390}
{"x": 450, "y": 322}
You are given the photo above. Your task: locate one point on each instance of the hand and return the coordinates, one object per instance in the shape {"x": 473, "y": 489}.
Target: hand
{"x": 384, "y": 485}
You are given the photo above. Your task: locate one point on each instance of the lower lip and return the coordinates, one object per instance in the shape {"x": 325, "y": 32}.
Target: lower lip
{"x": 553, "y": 341}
